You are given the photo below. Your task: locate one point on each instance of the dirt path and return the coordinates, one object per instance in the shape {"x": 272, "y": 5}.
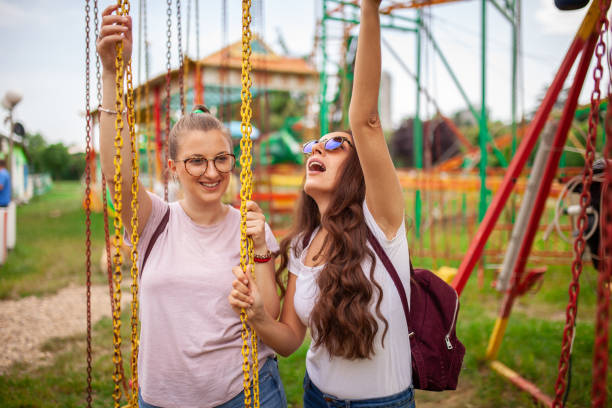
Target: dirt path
{"x": 460, "y": 398}
{"x": 26, "y": 324}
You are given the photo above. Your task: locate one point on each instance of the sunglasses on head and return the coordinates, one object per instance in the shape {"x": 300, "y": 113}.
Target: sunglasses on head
{"x": 329, "y": 144}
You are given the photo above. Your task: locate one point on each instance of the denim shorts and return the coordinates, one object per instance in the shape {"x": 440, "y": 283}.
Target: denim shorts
{"x": 315, "y": 398}
{"x": 271, "y": 391}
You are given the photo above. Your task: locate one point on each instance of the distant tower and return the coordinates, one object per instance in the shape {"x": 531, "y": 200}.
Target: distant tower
{"x": 385, "y": 101}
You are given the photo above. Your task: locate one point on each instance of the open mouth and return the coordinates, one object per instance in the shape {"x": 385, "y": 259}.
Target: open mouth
{"x": 316, "y": 166}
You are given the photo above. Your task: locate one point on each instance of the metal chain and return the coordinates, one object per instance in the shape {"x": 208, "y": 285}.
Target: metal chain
{"x": 168, "y": 56}
{"x": 224, "y": 63}
{"x": 139, "y": 71}
{"x": 88, "y": 196}
{"x": 585, "y": 200}
{"x": 133, "y": 398}
{"x": 98, "y": 71}
{"x": 117, "y": 256}
{"x": 148, "y": 106}
{"x": 109, "y": 264}
{"x": 188, "y": 27}
{"x": 197, "y": 24}
{"x": 107, "y": 242}
{"x": 246, "y": 191}
{"x": 185, "y": 69}
{"x": 181, "y": 71}
{"x": 600, "y": 348}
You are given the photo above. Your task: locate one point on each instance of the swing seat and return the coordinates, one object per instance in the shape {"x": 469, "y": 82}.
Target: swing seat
{"x": 570, "y": 4}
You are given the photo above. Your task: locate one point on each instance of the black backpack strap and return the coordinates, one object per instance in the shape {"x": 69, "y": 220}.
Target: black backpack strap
{"x": 392, "y": 272}
{"x": 160, "y": 228}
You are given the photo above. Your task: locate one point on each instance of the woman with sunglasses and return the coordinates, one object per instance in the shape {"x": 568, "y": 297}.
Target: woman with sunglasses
{"x": 190, "y": 339}
{"x": 359, "y": 355}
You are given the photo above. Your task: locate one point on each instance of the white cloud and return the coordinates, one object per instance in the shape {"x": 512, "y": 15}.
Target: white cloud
{"x": 556, "y": 22}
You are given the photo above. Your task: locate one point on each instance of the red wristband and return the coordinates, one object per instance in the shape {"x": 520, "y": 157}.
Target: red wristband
{"x": 262, "y": 258}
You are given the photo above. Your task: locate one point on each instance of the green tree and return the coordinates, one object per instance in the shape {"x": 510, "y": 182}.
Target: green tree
{"x": 36, "y": 145}
{"x": 61, "y": 164}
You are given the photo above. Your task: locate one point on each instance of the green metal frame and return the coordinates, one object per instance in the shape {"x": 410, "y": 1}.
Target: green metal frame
{"x": 510, "y": 9}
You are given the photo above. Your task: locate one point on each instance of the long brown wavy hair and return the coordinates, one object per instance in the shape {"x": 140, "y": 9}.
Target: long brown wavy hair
{"x": 341, "y": 318}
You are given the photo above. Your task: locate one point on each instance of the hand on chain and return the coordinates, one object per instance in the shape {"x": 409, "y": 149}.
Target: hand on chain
{"x": 256, "y": 227}
{"x": 245, "y": 295}
{"x": 114, "y": 28}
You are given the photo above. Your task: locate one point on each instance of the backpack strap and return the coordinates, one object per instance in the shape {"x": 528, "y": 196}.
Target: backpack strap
{"x": 392, "y": 272}
{"x": 160, "y": 228}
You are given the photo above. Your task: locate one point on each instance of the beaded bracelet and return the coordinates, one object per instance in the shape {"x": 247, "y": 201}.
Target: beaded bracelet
{"x": 263, "y": 258}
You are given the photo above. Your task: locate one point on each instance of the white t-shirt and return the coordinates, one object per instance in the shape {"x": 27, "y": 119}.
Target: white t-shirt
{"x": 389, "y": 370}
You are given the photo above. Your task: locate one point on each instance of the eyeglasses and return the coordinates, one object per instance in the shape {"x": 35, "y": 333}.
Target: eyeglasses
{"x": 196, "y": 166}
{"x": 330, "y": 144}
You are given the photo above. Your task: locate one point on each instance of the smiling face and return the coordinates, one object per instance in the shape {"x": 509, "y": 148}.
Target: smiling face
{"x": 210, "y": 186}
{"x": 323, "y": 167}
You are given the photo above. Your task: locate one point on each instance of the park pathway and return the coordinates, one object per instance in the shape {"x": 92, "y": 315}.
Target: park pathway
{"x": 26, "y": 324}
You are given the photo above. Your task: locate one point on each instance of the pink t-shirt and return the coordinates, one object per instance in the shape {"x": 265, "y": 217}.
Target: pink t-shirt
{"x": 190, "y": 337}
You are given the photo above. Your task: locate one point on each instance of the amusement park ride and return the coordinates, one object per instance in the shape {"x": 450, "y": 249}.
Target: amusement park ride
{"x": 252, "y": 62}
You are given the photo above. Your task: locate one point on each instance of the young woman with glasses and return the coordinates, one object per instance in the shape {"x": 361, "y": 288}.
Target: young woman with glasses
{"x": 190, "y": 339}
{"x": 359, "y": 355}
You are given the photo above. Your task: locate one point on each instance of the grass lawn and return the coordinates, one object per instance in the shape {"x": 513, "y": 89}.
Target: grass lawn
{"x": 50, "y": 255}
{"x": 50, "y": 250}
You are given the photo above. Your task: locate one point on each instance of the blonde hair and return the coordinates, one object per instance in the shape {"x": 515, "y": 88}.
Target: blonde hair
{"x": 201, "y": 119}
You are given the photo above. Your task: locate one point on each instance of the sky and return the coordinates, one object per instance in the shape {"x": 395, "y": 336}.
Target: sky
{"x": 42, "y": 45}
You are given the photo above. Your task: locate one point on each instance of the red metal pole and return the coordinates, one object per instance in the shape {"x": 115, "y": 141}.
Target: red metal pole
{"x": 555, "y": 154}
{"x": 514, "y": 169}
{"x": 198, "y": 89}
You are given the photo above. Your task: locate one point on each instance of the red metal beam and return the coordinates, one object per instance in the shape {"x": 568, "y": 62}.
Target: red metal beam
{"x": 516, "y": 166}
{"x": 514, "y": 169}
{"x": 553, "y": 160}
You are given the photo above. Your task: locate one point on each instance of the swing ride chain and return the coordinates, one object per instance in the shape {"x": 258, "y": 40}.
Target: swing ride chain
{"x": 181, "y": 72}
{"x": 185, "y": 69}
{"x": 109, "y": 267}
{"x": 146, "y": 93}
{"x": 88, "y": 196}
{"x": 246, "y": 190}
{"x": 133, "y": 397}
{"x": 585, "y": 201}
{"x": 117, "y": 256}
{"x": 600, "y": 354}
{"x": 98, "y": 71}
{"x": 168, "y": 56}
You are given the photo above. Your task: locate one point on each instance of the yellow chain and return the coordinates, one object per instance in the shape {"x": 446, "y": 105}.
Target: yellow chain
{"x": 133, "y": 399}
{"x": 148, "y": 132}
{"x": 246, "y": 190}
{"x": 117, "y": 257}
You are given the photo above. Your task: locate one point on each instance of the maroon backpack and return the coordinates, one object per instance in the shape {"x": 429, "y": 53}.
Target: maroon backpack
{"x": 437, "y": 353}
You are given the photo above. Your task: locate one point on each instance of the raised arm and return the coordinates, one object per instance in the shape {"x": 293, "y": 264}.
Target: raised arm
{"x": 383, "y": 191}
{"x": 117, "y": 28}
